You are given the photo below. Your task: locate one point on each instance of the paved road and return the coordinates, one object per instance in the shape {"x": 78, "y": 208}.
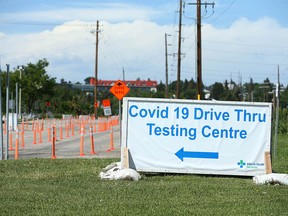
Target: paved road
{"x": 68, "y": 147}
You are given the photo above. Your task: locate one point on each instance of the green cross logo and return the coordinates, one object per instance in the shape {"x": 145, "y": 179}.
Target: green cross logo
{"x": 241, "y": 163}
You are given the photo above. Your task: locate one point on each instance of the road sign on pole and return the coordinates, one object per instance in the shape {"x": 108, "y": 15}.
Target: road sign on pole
{"x": 106, "y": 107}
{"x": 107, "y": 111}
{"x": 119, "y": 90}
{"x": 106, "y": 103}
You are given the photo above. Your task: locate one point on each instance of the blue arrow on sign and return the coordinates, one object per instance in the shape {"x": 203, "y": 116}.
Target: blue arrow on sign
{"x": 181, "y": 154}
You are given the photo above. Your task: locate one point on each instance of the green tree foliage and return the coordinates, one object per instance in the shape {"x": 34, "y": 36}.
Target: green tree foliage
{"x": 36, "y": 86}
{"x": 87, "y": 80}
{"x": 161, "y": 87}
{"x": 217, "y": 91}
{"x": 77, "y": 102}
{"x": 188, "y": 89}
{"x": 283, "y": 121}
{"x": 284, "y": 97}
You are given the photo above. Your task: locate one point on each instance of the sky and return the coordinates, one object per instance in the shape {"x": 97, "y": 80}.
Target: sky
{"x": 241, "y": 39}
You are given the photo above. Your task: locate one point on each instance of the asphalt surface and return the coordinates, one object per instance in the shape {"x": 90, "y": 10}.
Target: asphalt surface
{"x": 66, "y": 145}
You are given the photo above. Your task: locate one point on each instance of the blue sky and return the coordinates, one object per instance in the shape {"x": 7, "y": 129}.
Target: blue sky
{"x": 225, "y": 12}
{"x": 242, "y": 39}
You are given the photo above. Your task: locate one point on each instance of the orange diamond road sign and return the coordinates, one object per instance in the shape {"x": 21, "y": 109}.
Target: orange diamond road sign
{"x": 119, "y": 90}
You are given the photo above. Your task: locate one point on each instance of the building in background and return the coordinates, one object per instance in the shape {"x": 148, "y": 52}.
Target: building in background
{"x": 105, "y": 85}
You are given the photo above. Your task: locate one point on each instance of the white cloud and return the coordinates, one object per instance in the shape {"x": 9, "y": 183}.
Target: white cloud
{"x": 111, "y": 12}
{"x": 247, "y": 48}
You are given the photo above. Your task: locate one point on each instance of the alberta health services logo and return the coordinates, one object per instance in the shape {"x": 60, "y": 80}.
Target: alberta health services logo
{"x": 243, "y": 164}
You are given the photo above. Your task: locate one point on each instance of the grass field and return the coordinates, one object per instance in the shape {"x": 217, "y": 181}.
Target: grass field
{"x": 72, "y": 187}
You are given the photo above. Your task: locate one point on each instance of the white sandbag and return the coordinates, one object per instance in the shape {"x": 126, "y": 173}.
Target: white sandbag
{"x": 112, "y": 165}
{"x": 114, "y": 172}
{"x": 127, "y": 174}
{"x": 272, "y": 178}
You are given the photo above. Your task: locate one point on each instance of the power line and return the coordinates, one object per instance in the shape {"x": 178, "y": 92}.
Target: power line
{"x": 246, "y": 44}
{"x": 244, "y": 53}
{"x": 224, "y": 11}
{"x": 238, "y": 62}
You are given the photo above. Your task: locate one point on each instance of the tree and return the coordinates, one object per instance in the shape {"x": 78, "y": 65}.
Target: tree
{"x": 284, "y": 97}
{"x": 250, "y": 88}
{"x": 217, "y": 91}
{"x": 37, "y": 86}
{"x": 161, "y": 87}
{"x": 87, "y": 80}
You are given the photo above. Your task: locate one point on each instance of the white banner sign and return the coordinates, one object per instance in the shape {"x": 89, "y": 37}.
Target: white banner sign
{"x": 205, "y": 137}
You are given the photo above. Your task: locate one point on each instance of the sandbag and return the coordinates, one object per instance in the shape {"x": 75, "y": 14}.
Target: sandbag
{"x": 272, "y": 178}
{"x": 114, "y": 172}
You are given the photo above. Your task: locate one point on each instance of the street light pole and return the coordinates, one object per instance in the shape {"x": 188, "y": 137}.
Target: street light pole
{"x": 7, "y": 112}
{"x": 20, "y": 94}
{"x": 20, "y": 67}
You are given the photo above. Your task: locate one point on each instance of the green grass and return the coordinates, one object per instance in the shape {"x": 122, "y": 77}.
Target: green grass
{"x": 72, "y": 187}
{"x": 280, "y": 163}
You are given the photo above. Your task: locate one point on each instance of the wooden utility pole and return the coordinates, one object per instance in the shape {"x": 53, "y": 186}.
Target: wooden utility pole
{"x": 96, "y": 73}
{"x": 123, "y": 70}
{"x": 166, "y": 67}
{"x": 199, "y": 46}
{"x": 179, "y": 52}
{"x": 199, "y": 51}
